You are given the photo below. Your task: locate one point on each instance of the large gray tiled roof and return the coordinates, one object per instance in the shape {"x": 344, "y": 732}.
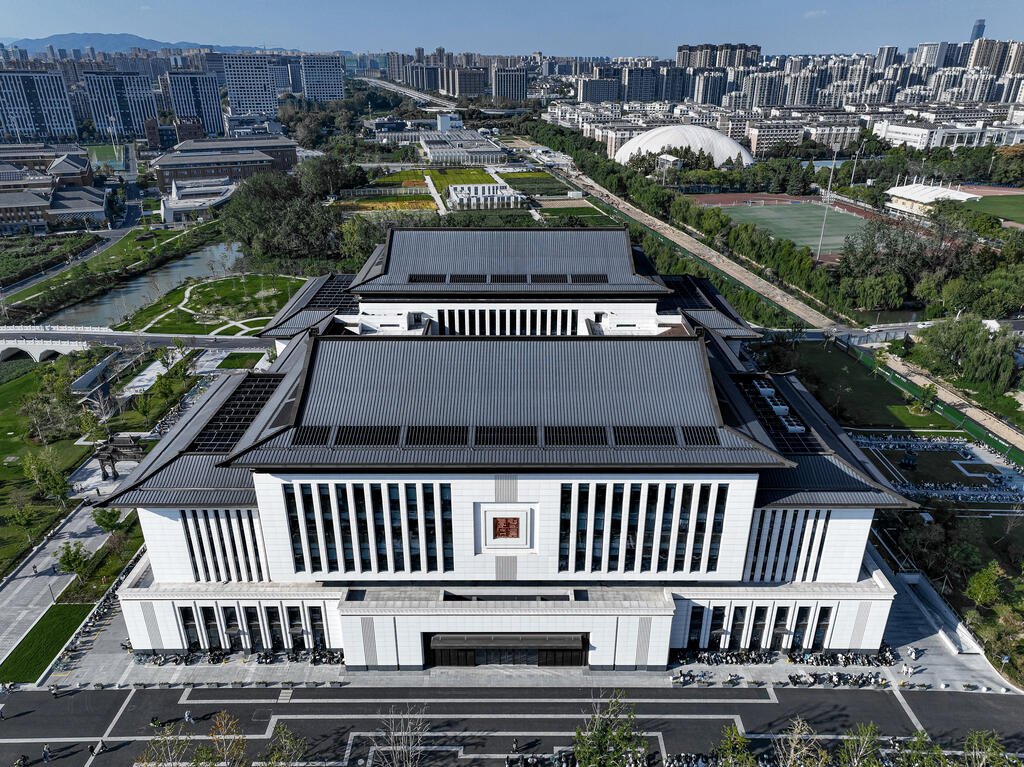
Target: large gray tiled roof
{"x": 576, "y": 254}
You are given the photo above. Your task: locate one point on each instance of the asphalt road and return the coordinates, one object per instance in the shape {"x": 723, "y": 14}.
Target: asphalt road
{"x": 410, "y": 92}
{"x": 476, "y": 725}
{"x": 151, "y": 340}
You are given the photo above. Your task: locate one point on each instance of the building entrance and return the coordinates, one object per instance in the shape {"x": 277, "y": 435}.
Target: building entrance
{"x": 506, "y": 649}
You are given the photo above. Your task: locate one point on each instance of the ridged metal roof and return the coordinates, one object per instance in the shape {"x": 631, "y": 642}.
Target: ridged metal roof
{"x": 509, "y": 382}
{"x": 823, "y": 481}
{"x": 508, "y": 251}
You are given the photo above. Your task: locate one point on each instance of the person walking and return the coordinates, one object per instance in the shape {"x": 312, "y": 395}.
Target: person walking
{"x": 53, "y": 691}
{"x": 35, "y": 569}
{"x": 46, "y": 752}
{"x": 188, "y": 718}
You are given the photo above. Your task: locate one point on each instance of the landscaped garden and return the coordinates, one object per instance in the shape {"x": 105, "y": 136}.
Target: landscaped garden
{"x": 23, "y": 256}
{"x": 30, "y": 658}
{"x": 240, "y": 361}
{"x": 446, "y": 177}
{"x": 535, "y": 183}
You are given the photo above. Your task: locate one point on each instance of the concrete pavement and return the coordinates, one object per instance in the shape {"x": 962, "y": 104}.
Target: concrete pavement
{"x": 25, "y": 595}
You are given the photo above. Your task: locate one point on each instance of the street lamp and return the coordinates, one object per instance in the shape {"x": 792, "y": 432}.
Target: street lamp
{"x": 53, "y": 599}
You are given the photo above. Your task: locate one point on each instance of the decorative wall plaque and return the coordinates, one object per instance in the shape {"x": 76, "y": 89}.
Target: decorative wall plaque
{"x": 506, "y": 527}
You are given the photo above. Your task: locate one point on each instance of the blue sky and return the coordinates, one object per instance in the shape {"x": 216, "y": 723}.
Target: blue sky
{"x": 559, "y": 27}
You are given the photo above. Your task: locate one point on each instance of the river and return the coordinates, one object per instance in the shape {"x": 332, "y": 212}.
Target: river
{"x": 112, "y": 307}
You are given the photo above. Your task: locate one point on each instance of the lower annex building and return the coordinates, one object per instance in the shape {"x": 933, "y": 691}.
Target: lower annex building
{"x": 506, "y": 446}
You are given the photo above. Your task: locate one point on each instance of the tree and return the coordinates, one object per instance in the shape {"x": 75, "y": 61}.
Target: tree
{"x": 169, "y": 746}
{"x": 229, "y": 743}
{"x": 984, "y": 749}
{"x": 284, "y": 749}
{"x": 983, "y": 586}
{"x": 145, "y": 403}
{"x": 733, "y": 750}
{"x": 73, "y": 558}
{"x": 108, "y": 520}
{"x": 43, "y": 468}
{"x": 22, "y": 515}
{"x": 860, "y": 747}
{"x": 919, "y": 751}
{"x": 609, "y": 738}
{"x": 400, "y": 742}
{"x": 797, "y": 748}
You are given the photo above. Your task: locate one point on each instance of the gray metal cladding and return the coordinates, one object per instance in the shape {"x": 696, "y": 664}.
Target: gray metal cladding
{"x": 623, "y": 382}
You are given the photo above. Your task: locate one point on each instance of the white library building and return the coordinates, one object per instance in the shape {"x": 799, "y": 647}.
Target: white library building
{"x": 506, "y": 446}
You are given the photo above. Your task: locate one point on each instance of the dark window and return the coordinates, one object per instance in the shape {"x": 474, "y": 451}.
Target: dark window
{"x": 739, "y": 617}
{"x": 412, "y": 514}
{"x": 344, "y": 523}
{"x": 327, "y": 515}
{"x": 644, "y": 435}
{"x": 684, "y": 528}
{"x": 699, "y": 435}
{"x": 293, "y": 529}
{"x": 363, "y": 527}
{"x": 696, "y": 627}
{"x": 717, "y": 523}
{"x": 295, "y": 632}
{"x": 188, "y": 545}
{"x": 447, "y": 535}
{"x": 379, "y": 526}
{"x": 779, "y": 629}
{"x": 564, "y": 527}
{"x": 427, "y": 278}
{"x": 700, "y": 527}
{"x": 188, "y": 625}
{"x": 717, "y": 628}
{"x": 395, "y": 512}
{"x": 311, "y": 533}
{"x": 803, "y": 617}
{"x": 252, "y": 625}
{"x": 311, "y": 435}
{"x": 468, "y": 278}
{"x": 665, "y": 544}
{"x": 632, "y": 527}
{"x": 597, "y": 550}
{"x": 821, "y": 628}
{"x": 316, "y": 626}
{"x": 437, "y": 435}
{"x": 231, "y": 628}
{"x": 507, "y": 278}
{"x": 590, "y": 279}
{"x": 582, "y": 511}
{"x": 757, "y": 632}
{"x": 650, "y": 520}
{"x": 549, "y": 279}
{"x": 615, "y": 526}
{"x": 210, "y": 626}
{"x": 430, "y": 528}
{"x": 366, "y": 435}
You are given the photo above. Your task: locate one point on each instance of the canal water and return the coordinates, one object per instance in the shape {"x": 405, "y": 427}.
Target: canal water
{"x": 115, "y": 305}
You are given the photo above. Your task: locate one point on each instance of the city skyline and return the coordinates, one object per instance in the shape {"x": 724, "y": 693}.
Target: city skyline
{"x": 570, "y": 29}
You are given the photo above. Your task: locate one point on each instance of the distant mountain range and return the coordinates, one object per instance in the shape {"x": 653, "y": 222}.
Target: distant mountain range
{"x": 113, "y": 43}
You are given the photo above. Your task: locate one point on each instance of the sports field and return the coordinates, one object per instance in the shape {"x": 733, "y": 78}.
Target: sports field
{"x": 1008, "y": 206}
{"x": 799, "y": 222}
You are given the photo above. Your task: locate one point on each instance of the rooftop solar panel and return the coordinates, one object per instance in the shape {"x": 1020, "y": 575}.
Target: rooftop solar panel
{"x": 432, "y": 278}
{"x": 575, "y": 435}
{"x": 311, "y": 435}
{"x": 783, "y": 429}
{"x": 549, "y": 279}
{"x": 590, "y": 279}
{"x": 229, "y": 423}
{"x": 333, "y": 295}
{"x": 644, "y": 435}
{"x": 423, "y": 436}
{"x": 491, "y": 436}
{"x": 366, "y": 435}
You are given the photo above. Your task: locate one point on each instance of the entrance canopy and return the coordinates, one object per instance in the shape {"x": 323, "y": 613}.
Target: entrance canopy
{"x": 506, "y": 641}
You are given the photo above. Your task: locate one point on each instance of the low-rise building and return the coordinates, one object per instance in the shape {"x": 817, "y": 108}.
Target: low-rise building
{"x": 484, "y": 196}
{"x": 77, "y": 204}
{"x": 70, "y": 170}
{"x": 460, "y": 147}
{"x": 188, "y": 198}
{"x": 23, "y": 212}
{"x": 280, "y": 149}
{"x": 186, "y": 166}
{"x": 916, "y": 200}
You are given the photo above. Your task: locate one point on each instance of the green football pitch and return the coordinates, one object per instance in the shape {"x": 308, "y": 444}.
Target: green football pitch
{"x": 799, "y": 222}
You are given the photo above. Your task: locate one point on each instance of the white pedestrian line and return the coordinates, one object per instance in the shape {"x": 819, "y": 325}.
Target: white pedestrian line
{"x": 113, "y": 722}
{"x": 903, "y": 702}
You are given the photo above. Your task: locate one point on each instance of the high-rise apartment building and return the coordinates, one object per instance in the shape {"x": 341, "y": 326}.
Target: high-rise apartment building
{"x": 422, "y": 77}
{"x": 988, "y": 53}
{"x": 120, "y": 102}
{"x": 323, "y": 77}
{"x": 707, "y": 55}
{"x": 709, "y": 87}
{"x": 931, "y": 54}
{"x": 195, "y": 95}
{"x": 639, "y": 84}
{"x": 509, "y": 83}
{"x": 35, "y": 104}
{"x": 463, "y": 81}
{"x": 251, "y": 88}
{"x": 282, "y": 77}
{"x": 598, "y": 89}
{"x": 887, "y": 56}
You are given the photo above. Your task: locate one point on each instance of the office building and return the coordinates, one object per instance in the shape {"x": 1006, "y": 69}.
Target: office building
{"x": 36, "y": 105}
{"x": 195, "y": 95}
{"x": 120, "y": 102}
{"x": 323, "y": 77}
{"x": 978, "y": 30}
{"x": 233, "y": 158}
{"x": 508, "y": 83}
{"x": 251, "y": 88}
{"x": 485, "y": 515}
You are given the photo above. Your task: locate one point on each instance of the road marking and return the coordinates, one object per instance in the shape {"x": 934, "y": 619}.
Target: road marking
{"x": 903, "y": 702}
{"x": 113, "y": 722}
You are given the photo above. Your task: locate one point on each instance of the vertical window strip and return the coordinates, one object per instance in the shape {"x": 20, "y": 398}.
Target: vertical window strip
{"x": 245, "y": 562}
{"x": 212, "y": 545}
{"x": 327, "y": 515}
{"x": 811, "y": 542}
{"x": 237, "y": 571}
{"x": 380, "y": 529}
{"x": 632, "y": 527}
{"x": 821, "y": 547}
{"x": 564, "y": 522}
{"x": 700, "y": 527}
{"x": 650, "y": 520}
{"x": 432, "y": 528}
{"x": 717, "y": 524}
{"x": 755, "y": 552}
{"x": 447, "y": 535}
{"x": 395, "y": 515}
{"x": 248, "y": 520}
{"x": 668, "y": 496}
{"x": 769, "y": 543}
{"x": 188, "y": 545}
{"x": 682, "y": 529}
{"x": 348, "y": 542}
{"x": 363, "y": 529}
{"x": 412, "y": 514}
{"x": 298, "y": 560}
{"x": 615, "y": 526}
{"x": 600, "y": 504}
{"x": 582, "y": 514}
{"x": 312, "y": 538}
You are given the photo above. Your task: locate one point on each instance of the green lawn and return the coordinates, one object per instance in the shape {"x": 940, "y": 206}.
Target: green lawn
{"x": 396, "y": 179}
{"x": 181, "y": 322}
{"x": 856, "y": 397}
{"x": 136, "y": 420}
{"x": 100, "y": 153}
{"x": 150, "y": 204}
{"x": 1008, "y": 206}
{"x": 445, "y": 177}
{"x": 33, "y": 654}
{"x": 933, "y": 466}
{"x": 106, "y": 564}
{"x": 23, "y": 256}
{"x": 800, "y": 223}
{"x": 147, "y": 314}
{"x": 385, "y": 198}
{"x": 237, "y": 360}
{"x": 535, "y": 182}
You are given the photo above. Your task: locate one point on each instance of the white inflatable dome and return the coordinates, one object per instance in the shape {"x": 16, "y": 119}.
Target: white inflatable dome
{"x": 722, "y": 148}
